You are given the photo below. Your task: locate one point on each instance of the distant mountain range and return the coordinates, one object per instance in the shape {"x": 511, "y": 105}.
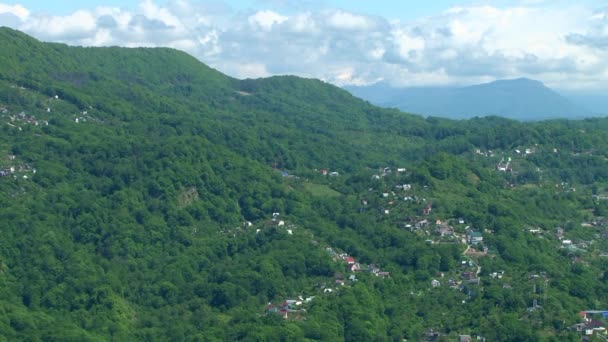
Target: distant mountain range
{"x": 521, "y": 99}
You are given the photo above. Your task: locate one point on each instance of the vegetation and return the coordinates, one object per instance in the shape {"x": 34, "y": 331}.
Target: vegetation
{"x": 140, "y": 191}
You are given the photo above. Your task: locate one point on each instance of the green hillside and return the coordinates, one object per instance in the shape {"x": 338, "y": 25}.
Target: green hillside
{"x": 146, "y": 196}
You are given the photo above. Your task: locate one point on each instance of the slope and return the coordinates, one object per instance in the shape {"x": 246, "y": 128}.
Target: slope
{"x": 140, "y": 204}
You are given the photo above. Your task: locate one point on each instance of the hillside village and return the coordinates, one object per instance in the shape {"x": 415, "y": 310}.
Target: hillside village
{"x": 185, "y": 204}
{"x": 411, "y": 207}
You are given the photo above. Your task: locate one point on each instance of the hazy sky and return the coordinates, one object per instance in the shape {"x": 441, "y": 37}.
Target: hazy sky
{"x": 410, "y": 43}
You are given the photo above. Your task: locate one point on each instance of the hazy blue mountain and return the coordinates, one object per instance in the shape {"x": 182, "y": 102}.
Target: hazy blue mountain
{"x": 520, "y": 99}
{"x": 596, "y": 103}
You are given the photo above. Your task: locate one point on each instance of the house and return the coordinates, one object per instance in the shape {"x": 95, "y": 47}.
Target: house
{"x": 373, "y": 269}
{"x": 352, "y": 277}
{"x": 474, "y": 238}
{"x": 467, "y": 275}
{"x": 465, "y": 338}
{"x": 435, "y": 283}
{"x": 401, "y": 169}
{"x": 383, "y": 274}
{"x": 350, "y": 260}
{"x": 271, "y": 308}
{"x": 422, "y": 224}
{"x": 445, "y": 230}
{"x": 592, "y": 326}
{"x": 324, "y": 172}
{"x": 354, "y": 267}
{"x": 432, "y": 335}
{"x": 461, "y": 221}
{"x": 334, "y": 174}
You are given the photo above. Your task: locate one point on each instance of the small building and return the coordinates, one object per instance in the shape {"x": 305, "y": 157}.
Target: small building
{"x": 435, "y": 283}
{"x": 465, "y": 338}
{"x": 354, "y": 267}
{"x": 373, "y": 269}
{"x": 468, "y": 275}
{"x": 474, "y": 238}
{"x": 383, "y": 274}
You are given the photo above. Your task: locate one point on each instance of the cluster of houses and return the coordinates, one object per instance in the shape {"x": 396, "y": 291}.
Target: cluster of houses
{"x": 386, "y": 171}
{"x": 13, "y": 170}
{"x": 353, "y": 266}
{"x": 29, "y": 119}
{"x": 431, "y": 335}
{"x": 326, "y": 172}
{"x": 504, "y": 165}
{"x": 591, "y": 326}
{"x": 82, "y": 117}
{"x": 489, "y": 153}
{"x": 290, "y": 308}
{"x": 468, "y": 274}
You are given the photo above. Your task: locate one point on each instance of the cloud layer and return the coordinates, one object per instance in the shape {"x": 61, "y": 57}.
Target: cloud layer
{"x": 566, "y": 47}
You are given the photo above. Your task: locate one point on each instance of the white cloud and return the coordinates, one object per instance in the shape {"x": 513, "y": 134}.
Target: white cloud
{"x": 347, "y": 21}
{"x": 80, "y": 24}
{"x": 266, "y": 19}
{"x": 17, "y": 10}
{"x": 564, "y": 46}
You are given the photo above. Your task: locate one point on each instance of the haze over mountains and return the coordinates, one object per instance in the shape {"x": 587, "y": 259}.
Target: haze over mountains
{"x": 521, "y": 99}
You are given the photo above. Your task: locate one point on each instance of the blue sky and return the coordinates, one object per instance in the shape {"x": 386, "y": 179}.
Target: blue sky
{"x": 387, "y": 8}
{"x": 392, "y": 9}
{"x": 348, "y": 42}
{"x": 403, "y": 9}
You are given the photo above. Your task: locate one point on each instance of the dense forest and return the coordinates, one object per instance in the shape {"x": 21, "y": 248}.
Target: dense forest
{"x": 146, "y": 196}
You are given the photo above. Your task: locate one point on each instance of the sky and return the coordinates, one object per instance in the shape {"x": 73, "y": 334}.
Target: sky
{"x": 348, "y": 42}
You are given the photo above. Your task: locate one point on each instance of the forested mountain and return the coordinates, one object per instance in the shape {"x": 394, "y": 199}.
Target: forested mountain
{"x": 519, "y": 99}
{"x": 146, "y": 196}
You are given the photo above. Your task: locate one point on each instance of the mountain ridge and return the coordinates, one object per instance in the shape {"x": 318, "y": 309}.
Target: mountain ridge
{"x": 521, "y": 99}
